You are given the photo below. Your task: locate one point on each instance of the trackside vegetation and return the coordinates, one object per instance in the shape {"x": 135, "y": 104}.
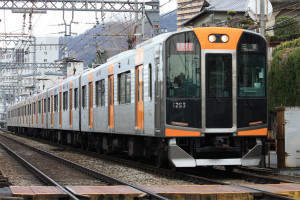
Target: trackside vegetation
{"x": 284, "y": 76}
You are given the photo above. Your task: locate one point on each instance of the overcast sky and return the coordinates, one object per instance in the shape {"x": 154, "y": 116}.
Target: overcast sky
{"x": 51, "y": 23}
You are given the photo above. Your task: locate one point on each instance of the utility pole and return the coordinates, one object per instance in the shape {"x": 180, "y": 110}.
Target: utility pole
{"x": 262, "y": 18}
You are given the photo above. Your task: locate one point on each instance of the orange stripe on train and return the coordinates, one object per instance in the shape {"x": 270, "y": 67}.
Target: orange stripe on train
{"x": 175, "y": 132}
{"x": 256, "y": 132}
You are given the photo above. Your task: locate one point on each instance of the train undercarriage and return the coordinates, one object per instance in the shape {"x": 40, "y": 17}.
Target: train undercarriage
{"x": 178, "y": 152}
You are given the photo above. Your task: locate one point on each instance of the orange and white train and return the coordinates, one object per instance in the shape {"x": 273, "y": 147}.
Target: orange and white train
{"x": 191, "y": 98}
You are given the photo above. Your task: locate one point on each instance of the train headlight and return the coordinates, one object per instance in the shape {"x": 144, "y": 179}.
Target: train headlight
{"x": 224, "y": 38}
{"x": 212, "y": 38}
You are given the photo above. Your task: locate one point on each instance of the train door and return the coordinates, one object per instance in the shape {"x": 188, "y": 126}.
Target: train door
{"x": 111, "y": 101}
{"x": 139, "y": 97}
{"x": 91, "y": 104}
{"x": 219, "y": 91}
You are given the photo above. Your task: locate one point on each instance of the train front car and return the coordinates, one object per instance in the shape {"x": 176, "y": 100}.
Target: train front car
{"x": 216, "y": 97}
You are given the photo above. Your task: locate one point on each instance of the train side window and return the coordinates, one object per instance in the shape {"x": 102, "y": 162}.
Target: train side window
{"x": 75, "y": 98}
{"x": 124, "y": 83}
{"x": 65, "y": 101}
{"x": 71, "y": 98}
{"x": 45, "y": 105}
{"x": 103, "y": 92}
{"x": 100, "y": 93}
{"x": 55, "y": 103}
{"x": 157, "y": 80}
{"x": 48, "y": 104}
{"x": 34, "y": 108}
{"x": 150, "y": 81}
{"x": 83, "y": 96}
{"x": 39, "y": 107}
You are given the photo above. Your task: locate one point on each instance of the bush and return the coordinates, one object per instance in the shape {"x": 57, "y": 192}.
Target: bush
{"x": 284, "y": 78}
{"x": 288, "y": 27}
{"x": 289, "y": 44}
{"x": 285, "y": 37}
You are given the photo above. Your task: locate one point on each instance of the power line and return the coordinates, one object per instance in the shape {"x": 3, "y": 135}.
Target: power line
{"x": 271, "y": 27}
{"x": 285, "y": 25}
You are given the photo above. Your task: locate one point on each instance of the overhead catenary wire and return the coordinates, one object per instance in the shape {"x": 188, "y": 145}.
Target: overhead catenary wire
{"x": 138, "y": 21}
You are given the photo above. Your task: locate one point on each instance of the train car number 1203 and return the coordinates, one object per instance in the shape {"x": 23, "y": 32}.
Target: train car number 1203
{"x": 179, "y": 105}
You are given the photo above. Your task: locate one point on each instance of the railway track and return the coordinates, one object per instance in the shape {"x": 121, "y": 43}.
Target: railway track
{"x": 195, "y": 177}
{"x": 82, "y": 174}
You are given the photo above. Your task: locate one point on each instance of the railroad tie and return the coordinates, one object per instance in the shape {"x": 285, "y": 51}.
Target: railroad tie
{"x": 4, "y": 181}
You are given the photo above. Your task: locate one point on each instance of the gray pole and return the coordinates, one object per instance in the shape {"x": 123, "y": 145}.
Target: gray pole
{"x": 262, "y": 18}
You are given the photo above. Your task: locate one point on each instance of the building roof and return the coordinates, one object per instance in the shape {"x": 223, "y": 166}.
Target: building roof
{"x": 226, "y": 5}
{"x": 221, "y": 6}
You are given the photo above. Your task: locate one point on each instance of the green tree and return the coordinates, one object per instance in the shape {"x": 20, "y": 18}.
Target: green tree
{"x": 286, "y": 26}
{"x": 238, "y": 21}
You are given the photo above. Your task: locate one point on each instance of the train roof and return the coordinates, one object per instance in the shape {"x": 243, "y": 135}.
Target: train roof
{"x": 123, "y": 54}
{"x": 155, "y": 40}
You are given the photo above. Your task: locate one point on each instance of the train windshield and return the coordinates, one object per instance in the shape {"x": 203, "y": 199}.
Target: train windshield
{"x": 183, "y": 65}
{"x": 251, "y": 66}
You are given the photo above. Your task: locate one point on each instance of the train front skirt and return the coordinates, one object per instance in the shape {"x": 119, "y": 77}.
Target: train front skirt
{"x": 179, "y": 158}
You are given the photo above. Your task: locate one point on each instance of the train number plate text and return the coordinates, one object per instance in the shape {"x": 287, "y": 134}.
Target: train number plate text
{"x": 179, "y": 105}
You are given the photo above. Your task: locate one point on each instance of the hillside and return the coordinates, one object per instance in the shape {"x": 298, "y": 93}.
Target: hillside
{"x": 83, "y": 46}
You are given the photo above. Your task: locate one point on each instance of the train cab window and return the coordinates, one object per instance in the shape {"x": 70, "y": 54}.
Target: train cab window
{"x": 183, "y": 65}
{"x": 75, "y": 98}
{"x": 183, "y": 102}
{"x": 124, "y": 83}
{"x": 251, "y": 66}
{"x": 83, "y": 97}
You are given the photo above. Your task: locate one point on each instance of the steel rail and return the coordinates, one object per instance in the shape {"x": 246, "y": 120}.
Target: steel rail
{"x": 198, "y": 178}
{"x": 37, "y": 172}
{"x": 89, "y": 171}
